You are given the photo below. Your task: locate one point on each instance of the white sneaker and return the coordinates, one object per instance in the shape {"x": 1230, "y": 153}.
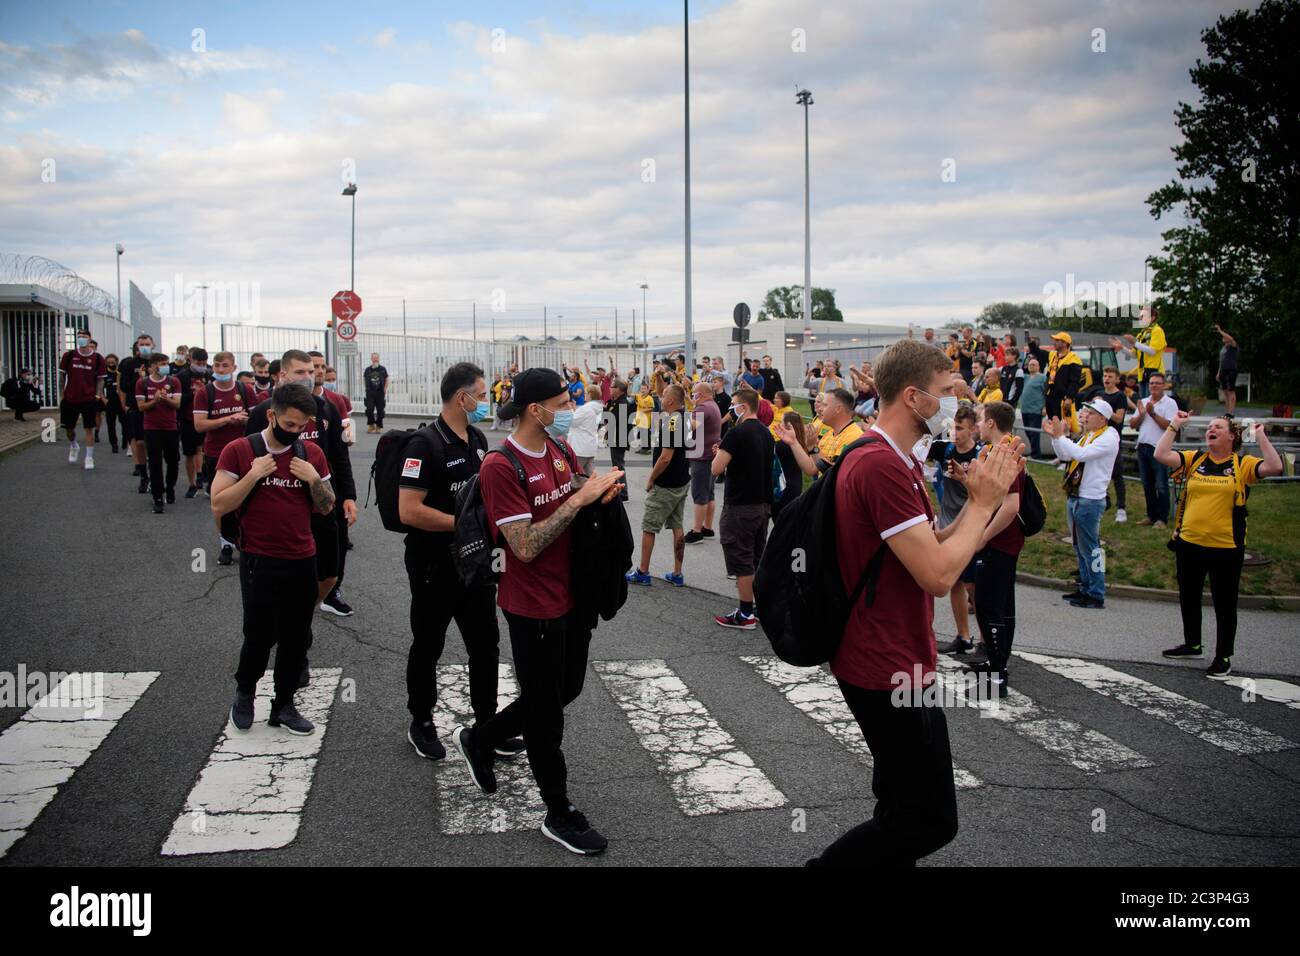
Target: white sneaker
{"x": 90, "y": 462}
{"x": 73, "y": 450}
{"x": 1121, "y": 516}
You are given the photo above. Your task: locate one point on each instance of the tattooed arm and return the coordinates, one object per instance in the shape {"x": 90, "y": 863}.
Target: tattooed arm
{"x": 528, "y": 539}
{"x": 322, "y": 496}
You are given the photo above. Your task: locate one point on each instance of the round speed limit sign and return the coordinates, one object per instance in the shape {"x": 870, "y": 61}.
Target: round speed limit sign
{"x": 347, "y": 331}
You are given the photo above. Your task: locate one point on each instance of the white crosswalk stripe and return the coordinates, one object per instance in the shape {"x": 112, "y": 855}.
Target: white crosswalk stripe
{"x": 251, "y": 793}
{"x": 1089, "y": 750}
{"x": 816, "y": 693}
{"x": 41, "y": 750}
{"x": 705, "y": 768}
{"x": 1264, "y": 688}
{"x": 1190, "y": 716}
{"x": 462, "y": 807}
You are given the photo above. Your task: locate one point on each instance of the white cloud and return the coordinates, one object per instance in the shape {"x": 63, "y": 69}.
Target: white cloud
{"x": 525, "y": 173}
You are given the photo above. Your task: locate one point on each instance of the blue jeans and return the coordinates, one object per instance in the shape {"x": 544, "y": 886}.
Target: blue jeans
{"x": 1033, "y": 422}
{"x": 1085, "y": 515}
{"x": 1155, "y": 483}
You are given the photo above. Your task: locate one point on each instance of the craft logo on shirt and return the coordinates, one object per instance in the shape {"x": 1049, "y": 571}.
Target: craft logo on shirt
{"x": 411, "y": 469}
{"x": 537, "y": 477}
{"x": 458, "y": 461}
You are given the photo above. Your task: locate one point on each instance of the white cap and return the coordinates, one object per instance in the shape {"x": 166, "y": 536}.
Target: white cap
{"x": 1101, "y": 407}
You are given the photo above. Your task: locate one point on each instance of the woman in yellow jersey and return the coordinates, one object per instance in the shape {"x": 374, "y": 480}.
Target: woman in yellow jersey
{"x": 1210, "y": 529}
{"x": 645, "y": 404}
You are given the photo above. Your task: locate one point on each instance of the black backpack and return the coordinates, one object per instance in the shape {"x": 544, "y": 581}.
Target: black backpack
{"x": 1033, "y": 510}
{"x": 9, "y": 389}
{"x": 798, "y": 590}
{"x": 473, "y": 537}
{"x": 390, "y": 459}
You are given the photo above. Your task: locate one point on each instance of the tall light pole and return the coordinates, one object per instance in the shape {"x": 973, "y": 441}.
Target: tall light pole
{"x": 645, "y": 329}
{"x": 686, "y": 61}
{"x": 804, "y": 98}
{"x": 203, "y": 289}
{"x": 120, "y": 249}
{"x": 349, "y": 190}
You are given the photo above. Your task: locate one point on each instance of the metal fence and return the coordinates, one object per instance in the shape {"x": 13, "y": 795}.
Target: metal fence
{"x": 416, "y": 362}
{"x": 36, "y": 338}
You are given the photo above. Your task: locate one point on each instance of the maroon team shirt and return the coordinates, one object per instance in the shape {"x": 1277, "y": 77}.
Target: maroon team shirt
{"x": 1011, "y": 539}
{"x": 162, "y": 417}
{"x": 540, "y": 588}
{"x": 277, "y": 523}
{"x": 225, "y": 402}
{"x": 881, "y": 492}
{"x": 84, "y": 373}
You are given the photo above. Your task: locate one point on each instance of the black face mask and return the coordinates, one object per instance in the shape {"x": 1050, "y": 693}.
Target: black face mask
{"x": 282, "y": 436}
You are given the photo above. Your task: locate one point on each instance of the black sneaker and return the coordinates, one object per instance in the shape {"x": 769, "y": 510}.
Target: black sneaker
{"x": 1220, "y": 668}
{"x": 171, "y": 496}
{"x": 144, "y": 486}
{"x": 1182, "y": 650}
{"x": 694, "y": 537}
{"x": 479, "y": 763}
{"x": 571, "y": 830}
{"x": 114, "y": 449}
{"x": 510, "y": 748}
{"x": 1072, "y": 596}
{"x": 1084, "y": 601}
{"x": 708, "y": 532}
{"x": 241, "y": 711}
{"x": 959, "y": 646}
{"x": 138, "y": 471}
{"x": 192, "y": 491}
{"x": 227, "y": 556}
{"x": 335, "y": 604}
{"x": 424, "y": 738}
{"x": 977, "y": 667}
{"x": 288, "y": 717}
{"x": 157, "y": 506}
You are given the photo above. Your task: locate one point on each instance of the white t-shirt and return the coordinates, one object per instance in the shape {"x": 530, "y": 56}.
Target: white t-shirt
{"x": 582, "y": 437}
{"x": 1149, "y": 432}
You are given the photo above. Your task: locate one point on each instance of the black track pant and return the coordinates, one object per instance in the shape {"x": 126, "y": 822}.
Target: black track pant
{"x": 438, "y": 598}
{"x": 995, "y": 603}
{"x": 1223, "y": 566}
{"x": 916, "y": 802}
{"x": 112, "y": 415}
{"x": 551, "y": 665}
{"x": 162, "y": 445}
{"x": 279, "y": 599}
{"x": 375, "y": 408}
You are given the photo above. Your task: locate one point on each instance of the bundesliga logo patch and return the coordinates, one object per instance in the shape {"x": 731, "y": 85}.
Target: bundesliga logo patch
{"x": 411, "y": 469}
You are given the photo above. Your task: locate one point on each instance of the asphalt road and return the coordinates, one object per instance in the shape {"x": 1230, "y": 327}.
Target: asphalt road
{"x": 95, "y": 582}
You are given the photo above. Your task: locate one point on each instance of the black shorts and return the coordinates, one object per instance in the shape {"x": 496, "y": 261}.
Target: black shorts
{"x": 191, "y": 440}
{"x": 742, "y": 532}
{"x": 325, "y": 531}
{"x": 69, "y": 412}
{"x": 1228, "y": 379}
{"x": 133, "y": 425}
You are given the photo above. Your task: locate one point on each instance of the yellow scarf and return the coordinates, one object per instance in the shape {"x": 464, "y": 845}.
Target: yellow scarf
{"x": 1085, "y": 440}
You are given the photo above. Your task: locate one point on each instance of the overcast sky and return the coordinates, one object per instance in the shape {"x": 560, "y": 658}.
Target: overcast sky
{"x": 506, "y": 146}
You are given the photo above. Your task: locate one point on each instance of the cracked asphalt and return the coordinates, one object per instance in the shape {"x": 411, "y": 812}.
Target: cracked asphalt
{"x": 94, "y": 581}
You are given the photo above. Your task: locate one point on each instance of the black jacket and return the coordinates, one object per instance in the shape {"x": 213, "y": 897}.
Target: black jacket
{"x": 623, "y": 412}
{"x": 602, "y": 555}
{"x": 330, "y": 425}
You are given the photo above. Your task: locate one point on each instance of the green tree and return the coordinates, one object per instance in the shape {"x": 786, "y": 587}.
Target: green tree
{"x": 786, "y": 302}
{"x": 1234, "y": 259}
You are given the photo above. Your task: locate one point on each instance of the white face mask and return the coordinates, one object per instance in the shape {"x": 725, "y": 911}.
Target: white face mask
{"x": 941, "y": 420}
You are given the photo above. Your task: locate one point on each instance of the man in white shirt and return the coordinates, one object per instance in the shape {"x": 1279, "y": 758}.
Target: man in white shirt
{"x": 1153, "y": 416}
{"x": 584, "y": 435}
{"x": 1090, "y": 461}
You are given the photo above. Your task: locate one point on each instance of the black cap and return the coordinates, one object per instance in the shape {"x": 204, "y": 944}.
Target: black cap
{"x": 531, "y": 385}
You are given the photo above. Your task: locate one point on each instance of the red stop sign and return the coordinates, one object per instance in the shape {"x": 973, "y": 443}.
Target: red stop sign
{"x": 345, "y": 305}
